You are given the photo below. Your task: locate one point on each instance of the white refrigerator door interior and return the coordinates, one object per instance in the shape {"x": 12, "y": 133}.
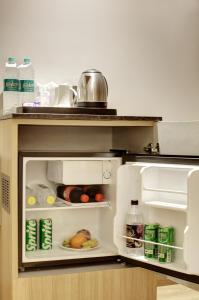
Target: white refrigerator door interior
{"x": 168, "y": 195}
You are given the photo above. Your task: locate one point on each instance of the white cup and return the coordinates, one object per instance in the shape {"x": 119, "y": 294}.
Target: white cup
{"x": 66, "y": 96}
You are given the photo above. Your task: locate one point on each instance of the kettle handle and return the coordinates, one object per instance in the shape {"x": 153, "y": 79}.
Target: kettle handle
{"x": 106, "y": 84}
{"x": 75, "y": 94}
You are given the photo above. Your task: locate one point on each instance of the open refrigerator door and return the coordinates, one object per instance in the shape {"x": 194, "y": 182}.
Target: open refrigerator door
{"x": 168, "y": 200}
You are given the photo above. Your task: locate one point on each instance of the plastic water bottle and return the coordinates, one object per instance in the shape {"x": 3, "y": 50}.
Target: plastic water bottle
{"x": 11, "y": 86}
{"x": 45, "y": 195}
{"x": 134, "y": 230}
{"x": 26, "y": 83}
{"x": 31, "y": 199}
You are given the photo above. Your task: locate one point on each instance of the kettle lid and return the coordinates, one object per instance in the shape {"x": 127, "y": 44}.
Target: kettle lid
{"x": 91, "y": 71}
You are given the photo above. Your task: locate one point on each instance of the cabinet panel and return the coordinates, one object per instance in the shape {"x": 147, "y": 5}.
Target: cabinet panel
{"x": 8, "y": 229}
{"x": 65, "y": 138}
{"x": 117, "y": 284}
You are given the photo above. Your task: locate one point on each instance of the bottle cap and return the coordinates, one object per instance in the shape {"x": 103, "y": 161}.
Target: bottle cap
{"x": 26, "y": 61}
{"x": 84, "y": 198}
{"x": 31, "y": 200}
{"x": 134, "y": 202}
{"x": 50, "y": 199}
{"x": 99, "y": 197}
{"x": 11, "y": 60}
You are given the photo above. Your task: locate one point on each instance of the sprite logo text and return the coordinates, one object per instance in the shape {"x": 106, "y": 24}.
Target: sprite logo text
{"x": 46, "y": 234}
{"x": 31, "y": 235}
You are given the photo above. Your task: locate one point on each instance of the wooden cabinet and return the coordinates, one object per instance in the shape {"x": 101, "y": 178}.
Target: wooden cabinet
{"x": 118, "y": 284}
{"x": 65, "y": 133}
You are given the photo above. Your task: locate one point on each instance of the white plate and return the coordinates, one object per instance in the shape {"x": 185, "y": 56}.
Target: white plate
{"x": 79, "y": 250}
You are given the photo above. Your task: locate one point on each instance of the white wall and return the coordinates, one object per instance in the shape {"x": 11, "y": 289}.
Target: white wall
{"x": 179, "y": 138}
{"x": 148, "y": 49}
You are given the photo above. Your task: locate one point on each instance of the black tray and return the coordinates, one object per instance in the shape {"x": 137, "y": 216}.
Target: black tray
{"x": 67, "y": 110}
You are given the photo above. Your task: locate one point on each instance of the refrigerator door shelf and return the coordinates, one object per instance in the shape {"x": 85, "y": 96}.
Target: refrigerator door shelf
{"x": 165, "y": 186}
{"x": 167, "y": 205}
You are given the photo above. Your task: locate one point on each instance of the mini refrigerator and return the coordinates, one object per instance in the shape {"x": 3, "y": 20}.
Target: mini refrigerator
{"x": 167, "y": 188}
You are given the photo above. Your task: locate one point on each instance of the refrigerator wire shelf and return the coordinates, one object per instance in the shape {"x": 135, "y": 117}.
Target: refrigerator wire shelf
{"x": 150, "y": 242}
{"x": 61, "y": 204}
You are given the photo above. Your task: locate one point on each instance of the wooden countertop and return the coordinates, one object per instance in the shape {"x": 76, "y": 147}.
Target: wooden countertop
{"x": 47, "y": 116}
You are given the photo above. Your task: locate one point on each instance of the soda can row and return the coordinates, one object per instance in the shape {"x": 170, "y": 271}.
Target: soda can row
{"x": 163, "y": 235}
{"x": 45, "y": 234}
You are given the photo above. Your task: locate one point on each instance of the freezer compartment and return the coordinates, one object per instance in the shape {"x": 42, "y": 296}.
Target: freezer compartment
{"x": 80, "y": 171}
{"x": 168, "y": 196}
{"x": 67, "y": 218}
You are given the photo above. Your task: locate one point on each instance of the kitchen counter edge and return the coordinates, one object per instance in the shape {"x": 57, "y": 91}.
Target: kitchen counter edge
{"x": 47, "y": 116}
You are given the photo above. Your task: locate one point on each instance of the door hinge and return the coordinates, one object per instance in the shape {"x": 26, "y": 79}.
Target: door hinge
{"x": 152, "y": 149}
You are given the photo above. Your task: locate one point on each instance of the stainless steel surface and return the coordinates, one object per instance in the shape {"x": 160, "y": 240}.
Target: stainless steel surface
{"x": 92, "y": 87}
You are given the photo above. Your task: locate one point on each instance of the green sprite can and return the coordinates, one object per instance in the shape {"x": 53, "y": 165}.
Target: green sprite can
{"x": 31, "y": 235}
{"x": 45, "y": 234}
{"x": 151, "y": 234}
{"x": 165, "y": 236}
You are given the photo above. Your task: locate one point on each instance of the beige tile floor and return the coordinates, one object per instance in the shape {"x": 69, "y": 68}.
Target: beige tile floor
{"x": 176, "y": 292}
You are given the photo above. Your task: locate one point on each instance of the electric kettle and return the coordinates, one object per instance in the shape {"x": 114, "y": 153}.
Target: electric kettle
{"x": 92, "y": 89}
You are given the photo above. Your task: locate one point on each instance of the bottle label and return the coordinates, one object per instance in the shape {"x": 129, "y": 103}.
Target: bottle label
{"x": 45, "y": 234}
{"x": 31, "y": 235}
{"x": 11, "y": 85}
{"x": 134, "y": 231}
{"x": 27, "y": 86}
